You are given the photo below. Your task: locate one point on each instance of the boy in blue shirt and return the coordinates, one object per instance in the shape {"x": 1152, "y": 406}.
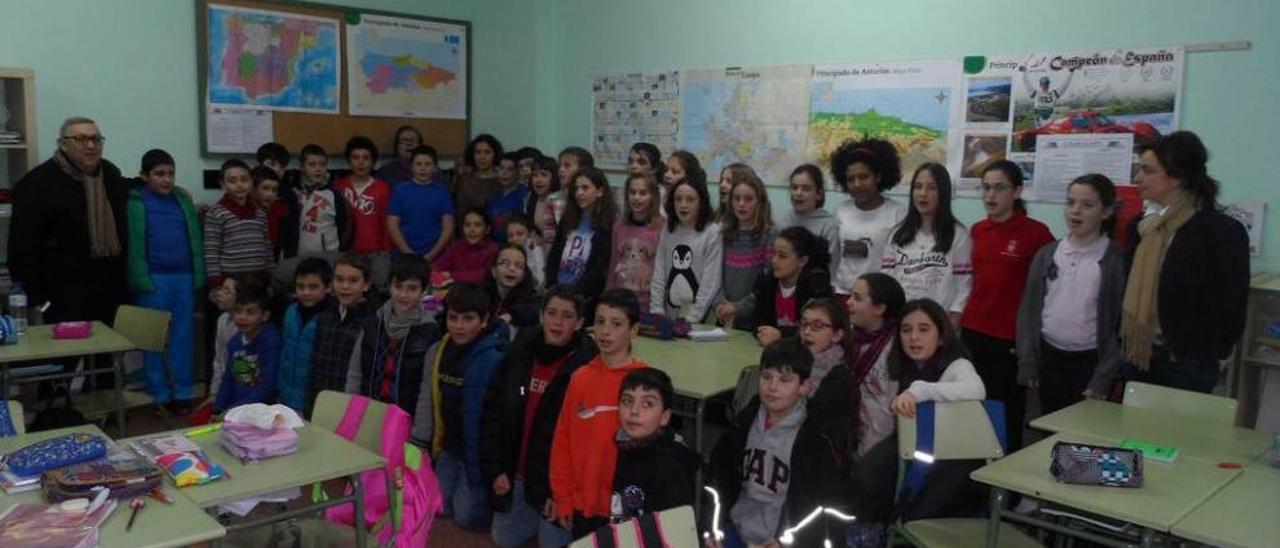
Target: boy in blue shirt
{"x": 311, "y": 289}
{"x": 420, "y": 217}
{"x": 252, "y": 355}
{"x": 510, "y": 198}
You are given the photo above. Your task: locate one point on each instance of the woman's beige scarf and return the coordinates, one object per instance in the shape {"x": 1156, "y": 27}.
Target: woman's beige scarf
{"x": 1138, "y": 318}
{"x": 103, "y": 239}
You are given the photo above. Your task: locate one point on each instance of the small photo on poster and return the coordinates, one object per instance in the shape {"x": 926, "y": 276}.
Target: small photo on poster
{"x": 987, "y": 100}
{"x": 980, "y": 150}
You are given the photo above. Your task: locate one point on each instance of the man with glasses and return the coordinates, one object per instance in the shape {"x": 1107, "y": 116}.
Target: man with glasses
{"x": 67, "y": 234}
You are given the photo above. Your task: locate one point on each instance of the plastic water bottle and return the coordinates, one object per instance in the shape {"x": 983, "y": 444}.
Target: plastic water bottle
{"x": 18, "y": 308}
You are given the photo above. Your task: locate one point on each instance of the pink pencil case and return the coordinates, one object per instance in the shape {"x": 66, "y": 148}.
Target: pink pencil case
{"x": 73, "y": 330}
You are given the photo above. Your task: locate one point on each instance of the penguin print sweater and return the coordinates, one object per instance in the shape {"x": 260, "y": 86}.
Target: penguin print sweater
{"x": 687, "y": 272}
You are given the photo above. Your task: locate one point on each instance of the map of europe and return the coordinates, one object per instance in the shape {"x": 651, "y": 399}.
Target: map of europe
{"x": 274, "y": 60}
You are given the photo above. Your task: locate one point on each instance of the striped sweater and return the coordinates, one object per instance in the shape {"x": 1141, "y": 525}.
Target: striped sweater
{"x": 235, "y": 240}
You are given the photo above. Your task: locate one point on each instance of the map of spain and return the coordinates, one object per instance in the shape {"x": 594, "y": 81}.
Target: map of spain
{"x": 272, "y": 60}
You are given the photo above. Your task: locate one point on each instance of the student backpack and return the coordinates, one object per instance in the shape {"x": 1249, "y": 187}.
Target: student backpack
{"x": 417, "y": 498}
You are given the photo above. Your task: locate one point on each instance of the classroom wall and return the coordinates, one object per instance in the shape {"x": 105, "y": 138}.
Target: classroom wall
{"x": 1229, "y": 97}
{"x": 131, "y": 65}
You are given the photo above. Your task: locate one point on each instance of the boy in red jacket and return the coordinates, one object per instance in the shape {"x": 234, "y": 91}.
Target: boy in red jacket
{"x": 584, "y": 454}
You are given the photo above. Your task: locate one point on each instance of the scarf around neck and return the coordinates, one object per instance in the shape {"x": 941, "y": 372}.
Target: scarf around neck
{"x": 867, "y": 347}
{"x": 823, "y": 363}
{"x": 104, "y": 241}
{"x": 398, "y": 326}
{"x": 1138, "y": 317}
{"x": 247, "y": 210}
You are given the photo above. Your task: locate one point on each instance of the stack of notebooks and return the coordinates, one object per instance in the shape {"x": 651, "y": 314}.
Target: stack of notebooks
{"x": 10, "y": 137}
{"x": 47, "y": 525}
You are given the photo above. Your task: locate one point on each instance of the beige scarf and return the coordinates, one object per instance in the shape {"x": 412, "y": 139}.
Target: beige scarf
{"x": 103, "y": 239}
{"x": 1138, "y": 318}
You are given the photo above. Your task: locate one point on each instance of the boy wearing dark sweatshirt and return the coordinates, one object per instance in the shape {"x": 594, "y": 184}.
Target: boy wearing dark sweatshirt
{"x": 252, "y": 355}
{"x": 655, "y": 471}
{"x": 451, "y": 399}
{"x": 584, "y": 453}
{"x": 389, "y": 355}
{"x": 783, "y": 456}
{"x": 519, "y": 420}
{"x": 338, "y": 327}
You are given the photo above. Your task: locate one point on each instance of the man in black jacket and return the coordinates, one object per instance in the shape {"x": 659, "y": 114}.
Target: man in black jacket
{"x": 67, "y": 235}
{"x": 520, "y": 415}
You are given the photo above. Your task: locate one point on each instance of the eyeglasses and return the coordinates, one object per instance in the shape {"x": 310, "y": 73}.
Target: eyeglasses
{"x": 85, "y": 140}
{"x": 815, "y": 326}
{"x": 996, "y": 188}
{"x": 504, "y": 263}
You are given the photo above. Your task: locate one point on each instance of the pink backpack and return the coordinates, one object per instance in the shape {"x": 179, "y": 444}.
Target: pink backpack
{"x": 418, "y": 498}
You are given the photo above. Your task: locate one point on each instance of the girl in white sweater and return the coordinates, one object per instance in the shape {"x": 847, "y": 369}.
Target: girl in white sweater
{"x": 928, "y": 252}
{"x": 928, "y": 361}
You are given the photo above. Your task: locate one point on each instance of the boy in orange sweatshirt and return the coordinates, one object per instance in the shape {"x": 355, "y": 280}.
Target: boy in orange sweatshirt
{"x": 583, "y": 453}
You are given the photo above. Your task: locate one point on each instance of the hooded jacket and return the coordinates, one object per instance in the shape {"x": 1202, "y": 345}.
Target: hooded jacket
{"x": 482, "y": 362}
{"x": 502, "y": 422}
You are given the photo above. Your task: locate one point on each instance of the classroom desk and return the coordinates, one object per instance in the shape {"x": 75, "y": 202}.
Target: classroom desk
{"x": 158, "y": 525}
{"x": 1114, "y": 422}
{"x": 321, "y": 456}
{"x": 1242, "y": 515}
{"x": 38, "y": 344}
{"x": 699, "y": 370}
{"x": 1169, "y": 491}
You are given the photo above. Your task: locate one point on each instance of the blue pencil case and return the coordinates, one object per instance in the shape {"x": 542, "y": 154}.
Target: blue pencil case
{"x": 55, "y": 453}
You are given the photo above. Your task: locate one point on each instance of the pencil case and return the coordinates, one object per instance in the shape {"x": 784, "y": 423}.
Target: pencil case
{"x": 1083, "y": 464}
{"x": 126, "y": 478}
{"x": 73, "y": 330}
{"x": 55, "y": 453}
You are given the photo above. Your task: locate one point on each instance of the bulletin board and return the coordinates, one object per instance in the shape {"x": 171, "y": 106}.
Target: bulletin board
{"x": 299, "y": 73}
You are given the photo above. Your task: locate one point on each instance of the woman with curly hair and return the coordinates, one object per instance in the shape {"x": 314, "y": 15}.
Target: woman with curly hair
{"x": 865, "y": 169}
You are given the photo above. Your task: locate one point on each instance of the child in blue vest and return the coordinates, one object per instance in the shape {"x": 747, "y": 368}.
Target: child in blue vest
{"x": 165, "y": 267}
{"x": 311, "y": 289}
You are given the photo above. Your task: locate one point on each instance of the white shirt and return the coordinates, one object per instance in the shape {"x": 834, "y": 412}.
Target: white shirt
{"x": 927, "y": 274}
{"x": 1069, "y": 319}
{"x": 868, "y": 230}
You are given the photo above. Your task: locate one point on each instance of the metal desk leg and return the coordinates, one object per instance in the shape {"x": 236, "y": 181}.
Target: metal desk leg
{"x": 993, "y": 523}
{"x": 4, "y": 382}
{"x": 361, "y": 534}
{"x": 699, "y": 412}
{"x": 117, "y": 367}
{"x": 1148, "y": 537}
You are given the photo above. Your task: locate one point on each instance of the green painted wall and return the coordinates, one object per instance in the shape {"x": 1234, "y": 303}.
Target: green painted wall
{"x": 1230, "y": 98}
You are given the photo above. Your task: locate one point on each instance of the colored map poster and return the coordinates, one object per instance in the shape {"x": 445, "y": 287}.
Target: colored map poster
{"x": 758, "y": 116}
{"x": 406, "y": 67}
{"x": 910, "y": 104}
{"x": 1103, "y": 91}
{"x": 272, "y": 60}
{"x": 631, "y": 108}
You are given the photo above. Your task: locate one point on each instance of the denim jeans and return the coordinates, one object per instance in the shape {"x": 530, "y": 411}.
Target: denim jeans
{"x": 1199, "y": 375}
{"x": 467, "y": 504}
{"x": 523, "y": 523}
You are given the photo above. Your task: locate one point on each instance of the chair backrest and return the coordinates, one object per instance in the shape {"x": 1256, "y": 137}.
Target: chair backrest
{"x": 330, "y": 408}
{"x": 15, "y": 416}
{"x": 678, "y": 528}
{"x": 1184, "y": 403}
{"x": 961, "y": 430}
{"x": 146, "y": 328}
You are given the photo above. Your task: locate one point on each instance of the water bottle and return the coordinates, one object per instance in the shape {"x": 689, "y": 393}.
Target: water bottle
{"x": 18, "y": 308}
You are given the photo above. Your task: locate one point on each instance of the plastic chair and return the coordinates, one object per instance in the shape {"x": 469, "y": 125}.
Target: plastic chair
{"x": 146, "y": 328}
{"x": 331, "y": 406}
{"x": 962, "y": 431}
{"x": 1184, "y": 403}
{"x": 678, "y": 529}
